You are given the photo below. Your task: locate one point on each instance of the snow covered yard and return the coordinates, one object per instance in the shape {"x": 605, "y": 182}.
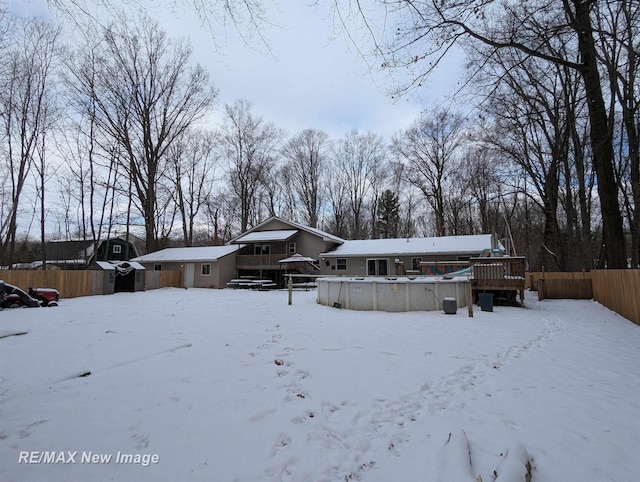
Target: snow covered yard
{"x": 208, "y": 385}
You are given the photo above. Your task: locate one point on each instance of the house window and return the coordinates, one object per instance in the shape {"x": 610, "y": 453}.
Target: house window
{"x": 259, "y": 249}
{"x": 341, "y": 264}
{"x": 205, "y": 269}
{"x": 157, "y": 267}
{"x": 377, "y": 267}
{"x": 117, "y": 249}
{"x": 292, "y": 248}
{"x": 415, "y": 263}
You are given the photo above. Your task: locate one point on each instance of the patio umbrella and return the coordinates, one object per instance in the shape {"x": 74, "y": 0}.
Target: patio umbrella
{"x": 297, "y": 258}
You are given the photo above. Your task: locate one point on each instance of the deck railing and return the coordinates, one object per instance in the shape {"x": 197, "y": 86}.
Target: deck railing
{"x": 260, "y": 261}
{"x": 504, "y": 268}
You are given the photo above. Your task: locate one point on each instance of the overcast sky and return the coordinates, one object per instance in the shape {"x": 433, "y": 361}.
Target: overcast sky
{"x": 308, "y": 80}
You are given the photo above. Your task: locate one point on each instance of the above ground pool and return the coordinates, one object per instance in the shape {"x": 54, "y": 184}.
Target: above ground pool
{"x": 392, "y": 294}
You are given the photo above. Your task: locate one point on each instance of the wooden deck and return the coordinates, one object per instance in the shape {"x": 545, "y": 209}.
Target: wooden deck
{"x": 498, "y": 275}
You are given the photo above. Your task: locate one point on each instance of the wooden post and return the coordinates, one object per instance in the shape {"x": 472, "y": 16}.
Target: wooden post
{"x": 541, "y": 289}
{"x": 469, "y": 299}
{"x": 290, "y": 286}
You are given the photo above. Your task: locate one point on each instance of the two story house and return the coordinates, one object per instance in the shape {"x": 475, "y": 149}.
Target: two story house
{"x": 276, "y": 247}
{"x": 256, "y": 253}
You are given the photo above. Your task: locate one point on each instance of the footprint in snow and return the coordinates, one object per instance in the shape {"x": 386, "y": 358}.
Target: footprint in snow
{"x": 300, "y": 419}
{"x": 142, "y": 442}
{"x": 283, "y": 440}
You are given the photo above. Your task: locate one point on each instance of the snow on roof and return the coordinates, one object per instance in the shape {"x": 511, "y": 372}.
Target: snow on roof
{"x": 128, "y": 264}
{"x": 407, "y": 246}
{"x": 324, "y": 235}
{"x": 106, "y": 265}
{"x": 200, "y": 253}
{"x": 276, "y": 235}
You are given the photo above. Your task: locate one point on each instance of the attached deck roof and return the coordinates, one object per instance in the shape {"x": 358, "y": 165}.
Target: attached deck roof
{"x": 262, "y": 236}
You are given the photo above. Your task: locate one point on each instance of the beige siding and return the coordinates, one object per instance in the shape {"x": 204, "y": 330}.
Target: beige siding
{"x": 226, "y": 270}
{"x": 357, "y": 265}
{"x": 274, "y": 225}
{"x": 222, "y": 271}
{"x": 308, "y": 244}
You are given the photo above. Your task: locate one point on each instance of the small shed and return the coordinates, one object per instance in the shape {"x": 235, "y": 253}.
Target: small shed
{"x": 109, "y": 276}
{"x": 129, "y": 276}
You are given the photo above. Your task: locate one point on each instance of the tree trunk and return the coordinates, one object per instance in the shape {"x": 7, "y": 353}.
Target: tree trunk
{"x": 601, "y": 141}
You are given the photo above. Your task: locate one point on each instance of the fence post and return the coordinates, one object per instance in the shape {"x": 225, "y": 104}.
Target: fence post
{"x": 290, "y": 287}
{"x": 541, "y": 289}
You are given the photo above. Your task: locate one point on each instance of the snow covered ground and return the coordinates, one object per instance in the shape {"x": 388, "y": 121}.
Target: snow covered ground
{"x": 208, "y": 385}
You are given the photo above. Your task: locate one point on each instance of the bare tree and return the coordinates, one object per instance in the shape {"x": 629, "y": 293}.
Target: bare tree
{"x": 26, "y": 113}
{"x": 247, "y": 17}
{"x": 146, "y": 95}
{"x": 482, "y": 181}
{"x": 618, "y": 25}
{"x": 537, "y": 108}
{"x": 429, "y": 149}
{"x": 273, "y": 193}
{"x": 222, "y": 212}
{"x": 338, "y": 194}
{"x": 44, "y": 172}
{"x": 417, "y": 35}
{"x": 193, "y": 163}
{"x": 360, "y": 160}
{"x": 306, "y": 154}
{"x": 410, "y": 199}
{"x": 248, "y": 143}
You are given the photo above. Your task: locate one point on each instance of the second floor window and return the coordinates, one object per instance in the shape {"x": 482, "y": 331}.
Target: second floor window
{"x": 117, "y": 249}
{"x": 292, "y": 248}
{"x": 262, "y": 249}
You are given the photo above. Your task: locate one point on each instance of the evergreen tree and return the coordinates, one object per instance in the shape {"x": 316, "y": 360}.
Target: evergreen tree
{"x": 388, "y": 215}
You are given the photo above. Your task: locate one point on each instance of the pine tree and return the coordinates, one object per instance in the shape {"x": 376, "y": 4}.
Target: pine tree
{"x": 388, "y": 215}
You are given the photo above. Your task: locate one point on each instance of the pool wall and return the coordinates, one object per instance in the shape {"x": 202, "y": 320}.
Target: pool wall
{"x": 382, "y": 294}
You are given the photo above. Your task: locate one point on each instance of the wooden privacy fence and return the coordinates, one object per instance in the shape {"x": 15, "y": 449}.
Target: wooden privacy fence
{"x": 559, "y": 285}
{"x": 565, "y": 288}
{"x": 70, "y": 284}
{"x": 154, "y": 280}
{"x": 618, "y": 290}
{"x": 533, "y": 277}
{"x": 75, "y": 283}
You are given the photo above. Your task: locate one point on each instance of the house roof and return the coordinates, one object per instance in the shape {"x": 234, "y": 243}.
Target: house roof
{"x": 77, "y": 251}
{"x": 411, "y": 246}
{"x": 105, "y": 265}
{"x": 258, "y": 236}
{"x": 322, "y": 234}
{"x": 178, "y": 255}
